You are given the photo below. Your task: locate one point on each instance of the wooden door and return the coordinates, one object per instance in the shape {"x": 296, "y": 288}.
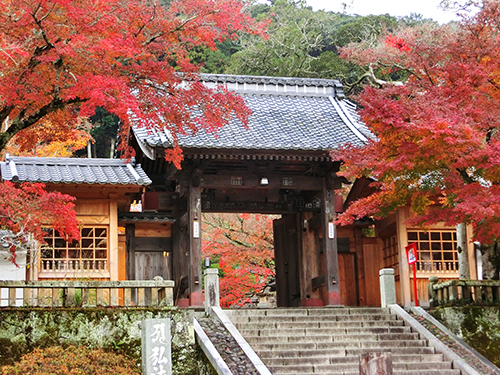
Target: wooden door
{"x": 347, "y": 279}
{"x": 152, "y": 258}
{"x": 149, "y": 264}
{"x": 286, "y": 254}
{"x": 372, "y": 264}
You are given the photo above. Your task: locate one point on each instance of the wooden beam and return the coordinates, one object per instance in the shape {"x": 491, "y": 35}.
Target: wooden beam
{"x": 254, "y": 207}
{"x": 243, "y": 179}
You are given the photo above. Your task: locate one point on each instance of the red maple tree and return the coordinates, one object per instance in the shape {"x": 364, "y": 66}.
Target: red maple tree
{"x": 26, "y": 209}
{"x": 241, "y": 246}
{"x": 438, "y": 129}
{"x": 63, "y": 58}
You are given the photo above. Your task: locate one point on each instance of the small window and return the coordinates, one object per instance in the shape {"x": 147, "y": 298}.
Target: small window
{"x": 436, "y": 250}
{"x": 73, "y": 259}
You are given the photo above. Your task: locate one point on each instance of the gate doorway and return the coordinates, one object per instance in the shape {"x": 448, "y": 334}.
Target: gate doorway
{"x": 286, "y": 240}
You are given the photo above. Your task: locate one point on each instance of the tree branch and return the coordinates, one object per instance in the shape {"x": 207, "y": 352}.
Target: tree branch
{"x": 465, "y": 176}
{"x": 21, "y": 123}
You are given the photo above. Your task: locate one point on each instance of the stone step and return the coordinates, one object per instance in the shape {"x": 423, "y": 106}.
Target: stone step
{"x": 341, "y": 353}
{"x": 336, "y": 345}
{"x": 311, "y": 341}
{"x": 296, "y": 331}
{"x": 286, "y": 336}
{"x": 398, "y": 350}
{"x": 352, "y": 365}
{"x": 331, "y": 369}
{"x": 307, "y": 311}
{"x": 283, "y": 357}
{"x": 415, "y": 372}
{"x": 375, "y": 318}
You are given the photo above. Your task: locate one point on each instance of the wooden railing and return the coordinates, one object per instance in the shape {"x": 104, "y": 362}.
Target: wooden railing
{"x": 460, "y": 292}
{"x": 68, "y": 293}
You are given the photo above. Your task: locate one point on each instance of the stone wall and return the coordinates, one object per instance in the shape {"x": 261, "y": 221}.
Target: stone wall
{"x": 24, "y": 329}
{"x": 478, "y": 326}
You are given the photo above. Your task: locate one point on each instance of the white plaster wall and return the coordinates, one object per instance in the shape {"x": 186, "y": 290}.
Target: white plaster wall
{"x": 9, "y": 271}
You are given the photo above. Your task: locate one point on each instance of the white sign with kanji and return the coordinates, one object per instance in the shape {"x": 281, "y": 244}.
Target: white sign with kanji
{"x": 156, "y": 347}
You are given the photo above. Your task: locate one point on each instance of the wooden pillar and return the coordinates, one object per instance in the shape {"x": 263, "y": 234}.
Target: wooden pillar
{"x": 130, "y": 234}
{"x": 309, "y": 262}
{"x": 360, "y": 262}
{"x": 194, "y": 216}
{"x": 404, "y": 268}
{"x": 330, "y": 251}
{"x": 113, "y": 245}
{"x": 113, "y": 237}
{"x": 180, "y": 259}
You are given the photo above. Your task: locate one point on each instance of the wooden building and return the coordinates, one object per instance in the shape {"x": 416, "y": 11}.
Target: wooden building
{"x": 384, "y": 247}
{"x": 280, "y": 165}
{"x": 102, "y": 187}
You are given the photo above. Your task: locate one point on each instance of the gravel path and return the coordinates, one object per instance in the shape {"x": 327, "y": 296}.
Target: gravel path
{"x": 228, "y": 348}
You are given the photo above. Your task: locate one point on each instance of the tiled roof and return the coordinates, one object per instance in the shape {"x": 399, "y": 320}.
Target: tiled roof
{"x": 274, "y": 83}
{"x": 287, "y": 114}
{"x": 72, "y": 170}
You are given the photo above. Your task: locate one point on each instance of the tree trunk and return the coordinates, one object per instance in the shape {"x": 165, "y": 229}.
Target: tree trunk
{"x": 489, "y": 257}
{"x": 463, "y": 254}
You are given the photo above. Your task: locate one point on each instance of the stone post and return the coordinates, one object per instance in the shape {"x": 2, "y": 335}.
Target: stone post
{"x": 211, "y": 289}
{"x": 433, "y": 302}
{"x": 387, "y": 287}
{"x": 375, "y": 364}
{"x": 156, "y": 347}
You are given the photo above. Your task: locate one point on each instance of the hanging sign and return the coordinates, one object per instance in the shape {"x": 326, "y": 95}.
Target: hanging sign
{"x": 196, "y": 229}
{"x": 411, "y": 253}
{"x": 331, "y": 231}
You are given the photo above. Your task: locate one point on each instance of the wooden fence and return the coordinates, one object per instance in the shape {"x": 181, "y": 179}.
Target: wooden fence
{"x": 66, "y": 293}
{"x": 460, "y": 292}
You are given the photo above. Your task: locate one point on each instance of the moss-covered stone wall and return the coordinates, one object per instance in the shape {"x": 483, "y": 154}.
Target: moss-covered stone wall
{"x": 478, "y": 326}
{"x": 24, "y": 329}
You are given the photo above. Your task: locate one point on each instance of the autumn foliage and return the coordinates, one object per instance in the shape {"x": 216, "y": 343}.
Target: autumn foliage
{"x": 438, "y": 131}
{"x": 72, "y": 361}
{"x": 63, "y": 58}
{"x": 241, "y": 246}
{"x": 24, "y": 209}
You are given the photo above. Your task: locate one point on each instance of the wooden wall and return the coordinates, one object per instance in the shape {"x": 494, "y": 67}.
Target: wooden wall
{"x": 148, "y": 251}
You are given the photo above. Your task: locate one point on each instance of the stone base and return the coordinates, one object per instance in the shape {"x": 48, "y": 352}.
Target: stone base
{"x": 312, "y": 302}
{"x": 196, "y": 299}
{"x": 183, "y": 302}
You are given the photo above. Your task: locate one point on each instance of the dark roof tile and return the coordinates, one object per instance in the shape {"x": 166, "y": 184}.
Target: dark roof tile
{"x": 280, "y": 120}
{"x": 72, "y": 170}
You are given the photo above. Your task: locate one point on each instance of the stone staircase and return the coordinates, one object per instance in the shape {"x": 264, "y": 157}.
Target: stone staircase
{"x": 329, "y": 340}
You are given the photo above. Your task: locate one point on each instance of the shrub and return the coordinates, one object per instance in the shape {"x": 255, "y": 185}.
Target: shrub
{"x": 72, "y": 361}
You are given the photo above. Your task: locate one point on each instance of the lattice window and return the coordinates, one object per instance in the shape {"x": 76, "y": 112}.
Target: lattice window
{"x": 436, "y": 250}
{"x": 89, "y": 255}
{"x": 391, "y": 257}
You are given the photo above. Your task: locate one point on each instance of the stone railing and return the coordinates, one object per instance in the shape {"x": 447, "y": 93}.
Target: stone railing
{"x": 460, "y": 292}
{"x": 66, "y": 293}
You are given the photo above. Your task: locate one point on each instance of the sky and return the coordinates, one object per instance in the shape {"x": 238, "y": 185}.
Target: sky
{"x": 428, "y": 8}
